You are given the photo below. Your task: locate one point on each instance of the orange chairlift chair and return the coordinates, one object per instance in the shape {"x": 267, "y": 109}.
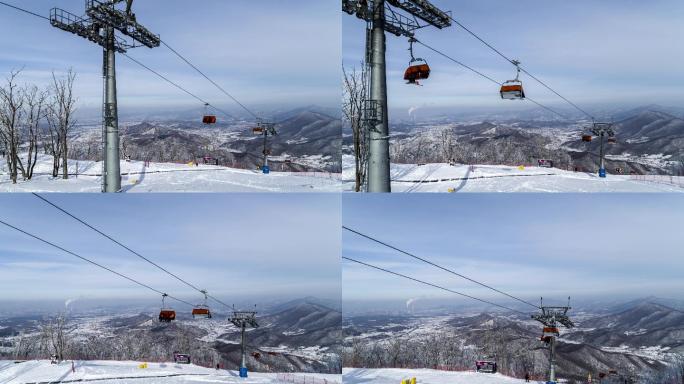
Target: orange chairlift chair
{"x": 418, "y": 68}
{"x": 202, "y": 310}
{"x": 513, "y": 89}
{"x": 166, "y": 315}
{"x": 207, "y": 118}
{"x": 548, "y": 333}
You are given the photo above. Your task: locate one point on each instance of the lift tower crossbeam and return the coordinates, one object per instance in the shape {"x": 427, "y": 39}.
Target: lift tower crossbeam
{"x": 380, "y": 17}
{"x": 244, "y": 320}
{"x": 551, "y": 318}
{"x": 99, "y": 26}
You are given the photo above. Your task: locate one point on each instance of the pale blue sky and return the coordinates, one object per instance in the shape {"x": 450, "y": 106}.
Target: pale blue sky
{"x": 593, "y": 52}
{"x": 266, "y": 53}
{"x": 234, "y": 245}
{"x": 530, "y": 245}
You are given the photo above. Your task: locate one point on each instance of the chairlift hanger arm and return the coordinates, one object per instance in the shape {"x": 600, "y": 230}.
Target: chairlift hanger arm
{"x": 129, "y": 4}
{"x": 517, "y": 67}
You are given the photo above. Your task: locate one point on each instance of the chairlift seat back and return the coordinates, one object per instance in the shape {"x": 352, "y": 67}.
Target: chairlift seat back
{"x": 512, "y": 91}
{"x": 201, "y": 312}
{"x": 209, "y": 119}
{"x": 417, "y": 72}
{"x": 167, "y": 315}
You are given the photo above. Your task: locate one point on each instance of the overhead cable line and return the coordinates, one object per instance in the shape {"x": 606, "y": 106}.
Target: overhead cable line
{"x": 92, "y": 262}
{"x": 432, "y": 285}
{"x": 458, "y": 62}
{"x": 438, "y": 266}
{"x": 139, "y": 63}
{"x": 485, "y": 76}
{"x": 558, "y": 94}
{"x": 210, "y": 80}
{"x": 178, "y": 86}
{"x": 130, "y": 250}
{"x": 23, "y": 10}
{"x": 521, "y": 68}
{"x": 547, "y": 108}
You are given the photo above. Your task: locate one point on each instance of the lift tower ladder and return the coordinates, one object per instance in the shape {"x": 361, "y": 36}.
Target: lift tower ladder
{"x": 99, "y": 25}
{"x": 551, "y": 318}
{"x": 385, "y": 15}
{"x": 244, "y": 320}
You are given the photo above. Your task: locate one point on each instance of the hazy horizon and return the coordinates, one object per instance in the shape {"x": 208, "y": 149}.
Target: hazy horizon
{"x": 233, "y": 245}
{"x": 528, "y": 245}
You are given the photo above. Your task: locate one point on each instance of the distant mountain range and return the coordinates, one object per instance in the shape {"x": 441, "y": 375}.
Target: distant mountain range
{"x": 301, "y": 335}
{"x": 638, "y": 337}
{"x": 533, "y": 113}
{"x": 649, "y": 132}
{"x": 308, "y": 140}
{"x": 650, "y": 139}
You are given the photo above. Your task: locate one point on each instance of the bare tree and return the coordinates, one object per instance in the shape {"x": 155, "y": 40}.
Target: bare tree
{"x": 51, "y": 142}
{"x": 35, "y": 113}
{"x": 353, "y": 100}
{"x": 61, "y": 119}
{"x": 23, "y": 346}
{"x": 447, "y": 143}
{"x": 54, "y": 338}
{"x": 11, "y": 109}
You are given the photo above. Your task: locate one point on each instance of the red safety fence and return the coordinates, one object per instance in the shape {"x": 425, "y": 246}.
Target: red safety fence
{"x": 301, "y": 379}
{"x": 676, "y": 181}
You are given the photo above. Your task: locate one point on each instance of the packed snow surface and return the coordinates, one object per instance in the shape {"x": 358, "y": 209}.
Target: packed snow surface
{"x": 118, "y": 372}
{"x": 441, "y": 177}
{"x": 85, "y": 176}
{"x": 423, "y": 376}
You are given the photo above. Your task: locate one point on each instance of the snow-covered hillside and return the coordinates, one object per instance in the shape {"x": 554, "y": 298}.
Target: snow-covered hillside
{"x": 167, "y": 177}
{"x": 501, "y": 178}
{"x": 115, "y": 372}
{"x": 423, "y": 376}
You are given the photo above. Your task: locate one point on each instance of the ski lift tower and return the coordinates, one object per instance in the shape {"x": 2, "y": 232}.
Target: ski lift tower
{"x": 381, "y": 16}
{"x": 99, "y": 25}
{"x": 244, "y": 320}
{"x": 267, "y": 129}
{"x": 602, "y": 130}
{"x": 551, "y": 318}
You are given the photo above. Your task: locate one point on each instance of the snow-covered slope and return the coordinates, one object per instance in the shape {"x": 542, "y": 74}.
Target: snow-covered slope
{"x": 167, "y": 177}
{"x": 501, "y": 178}
{"x": 423, "y": 376}
{"x": 111, "y": 372}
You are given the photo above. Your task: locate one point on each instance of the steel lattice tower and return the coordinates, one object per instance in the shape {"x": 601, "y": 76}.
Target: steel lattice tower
{"x": 552, "y": 318}
{"x": 602, "y": 130}
{"x": 243, "y": 320}
{"x": 381, "y": 16}
{"x": 99, "y": 25}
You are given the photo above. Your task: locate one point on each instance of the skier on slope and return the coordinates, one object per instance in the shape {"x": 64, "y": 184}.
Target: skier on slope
{"x": 527, "y": 377}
